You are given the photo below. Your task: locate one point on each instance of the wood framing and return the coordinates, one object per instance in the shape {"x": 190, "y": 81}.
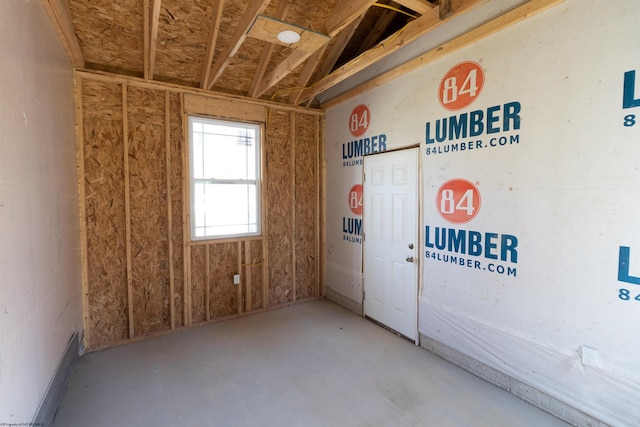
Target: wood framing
{"x": 153, "y": 39}
{"x": 504, "y": 21}
{"x": 346, "y": 12}
{"x": 127, "y": 207}
{"x": 211, "y": 41}
{"x": 409, "y": 33}
{"x": 283, "y": 8}
{"x": 82, "y": 207}
{"x": 238, "y": 271}
{"x": 420, "y": 6}
{"x": 343, "y": 15}
{"x": 170, "y": 242}
{"x": 224, "y": 108}
{"x": 142, "y": 276}
{"x": 292, "y": 127}
{"x": 255, "y": 8}
{"x": 325, "y": 67}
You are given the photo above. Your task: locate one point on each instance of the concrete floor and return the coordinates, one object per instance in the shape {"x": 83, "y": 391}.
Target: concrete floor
{"x": 311, "y": 364}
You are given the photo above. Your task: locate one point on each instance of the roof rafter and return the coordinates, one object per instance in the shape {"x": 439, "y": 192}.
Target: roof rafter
{"x": 408, "y": 34}
{"x": 324, "y": 68}
{"x": 419, "y": 6}
{"x": 211, "y": 44}
{"x": 151, "y": 20}
{"x": 382, "y": 23}
{"x": 307, "y": 73}
{"x": 255, "y": 8}
{"x": 344, "y": 14}
{"x": 283, "y": 8}
{"x": 512, "y": 17}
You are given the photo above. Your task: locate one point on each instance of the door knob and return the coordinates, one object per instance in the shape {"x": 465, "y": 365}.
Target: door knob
{"x": 409, "y": 259}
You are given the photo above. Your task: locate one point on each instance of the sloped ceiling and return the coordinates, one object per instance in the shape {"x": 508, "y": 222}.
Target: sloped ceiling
{"x": 230, "y": 46}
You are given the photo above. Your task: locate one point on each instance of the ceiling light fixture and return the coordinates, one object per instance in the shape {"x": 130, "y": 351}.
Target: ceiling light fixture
{"x": 288, "y": 36}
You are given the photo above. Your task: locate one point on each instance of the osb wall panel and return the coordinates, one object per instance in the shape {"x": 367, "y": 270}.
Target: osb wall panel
{"x": 254, "y": 272}
{"x": 306, "y": 208}
{"x": 279, "y": 178}
{"x": 198, "y": 283}
{"x": 104, "y": 212}
{"x": 177, "y": 223}
{"x": 148, "y": 210}
{"x": 223, "y": 294}
{"x": 275, "y": 269}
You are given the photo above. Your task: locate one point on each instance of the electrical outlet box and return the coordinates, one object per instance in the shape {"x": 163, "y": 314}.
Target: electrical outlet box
{"x": 589, "y": 356}
{"x": 236, "y": 279}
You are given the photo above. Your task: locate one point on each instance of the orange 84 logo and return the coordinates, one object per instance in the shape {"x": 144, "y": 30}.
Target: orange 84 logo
{"x": 359, "y": 120}
{"x": 461, "y": 85}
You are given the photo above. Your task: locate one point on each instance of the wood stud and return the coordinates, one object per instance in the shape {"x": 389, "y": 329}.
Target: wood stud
{"x": 83, "y": 214}
{"x": 167, "y": 137}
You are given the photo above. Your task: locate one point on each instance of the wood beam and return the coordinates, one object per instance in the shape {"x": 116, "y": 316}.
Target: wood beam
{"x": 211, "y": 44}
{"x": 344, "y": 14}
{"x": 282, "y": 70}
{"x": 408, "y": 34}
{"x": 338, "y": 47}
{"x": 255, "y": 8}
{"x": 153, "y": 37}
{"x": 307, "y": 73}
{"x": 419, "y": 6}
{"x": 60, "y": 17}
{"x": 382, "y": 23}
{"x": 283, "y": 8}
{"x": 339, "y": 44}
{"x": 146, "y": 12}
{"x": 445, "y": 9}
{"x": 506, "y": 20}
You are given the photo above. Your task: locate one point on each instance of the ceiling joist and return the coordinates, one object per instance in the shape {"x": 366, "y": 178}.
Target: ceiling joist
{"x": 211, "y": 41}
{"x": 255, "y": 8}
{"x": 151, "y": 18}
{"x": 344, "y": 14}
{"x": 419, "y": 6}
{"x": 283, "y": 8}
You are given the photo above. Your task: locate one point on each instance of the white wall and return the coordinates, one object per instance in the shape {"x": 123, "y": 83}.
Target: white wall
{"x": 568, "y": 190}
{"x": 40, "y": 278}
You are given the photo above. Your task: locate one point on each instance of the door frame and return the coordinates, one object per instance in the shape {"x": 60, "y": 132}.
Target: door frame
{"x": 419, "y": 210}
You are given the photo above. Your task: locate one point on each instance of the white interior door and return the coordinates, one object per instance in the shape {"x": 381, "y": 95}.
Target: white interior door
{"x": 390, "y": 247}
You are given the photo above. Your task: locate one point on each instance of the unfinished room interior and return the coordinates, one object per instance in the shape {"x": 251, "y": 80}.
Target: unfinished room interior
{"x": 320, "y": 213}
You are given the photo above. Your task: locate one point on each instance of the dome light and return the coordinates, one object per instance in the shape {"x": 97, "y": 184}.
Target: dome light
{"x": 288, "y": 36}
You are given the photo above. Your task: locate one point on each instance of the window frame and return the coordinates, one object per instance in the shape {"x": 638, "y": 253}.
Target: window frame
{"x": 259, "y": 128}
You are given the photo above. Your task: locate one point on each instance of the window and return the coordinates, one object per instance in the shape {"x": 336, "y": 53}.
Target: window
{"x": 224, "y": 163}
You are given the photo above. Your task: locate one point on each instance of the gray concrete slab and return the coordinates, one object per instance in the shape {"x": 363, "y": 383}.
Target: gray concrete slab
{"x": 311, "y": 364}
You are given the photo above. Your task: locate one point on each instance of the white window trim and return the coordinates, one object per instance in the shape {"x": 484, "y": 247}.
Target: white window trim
{"x": 192, "y": 181}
